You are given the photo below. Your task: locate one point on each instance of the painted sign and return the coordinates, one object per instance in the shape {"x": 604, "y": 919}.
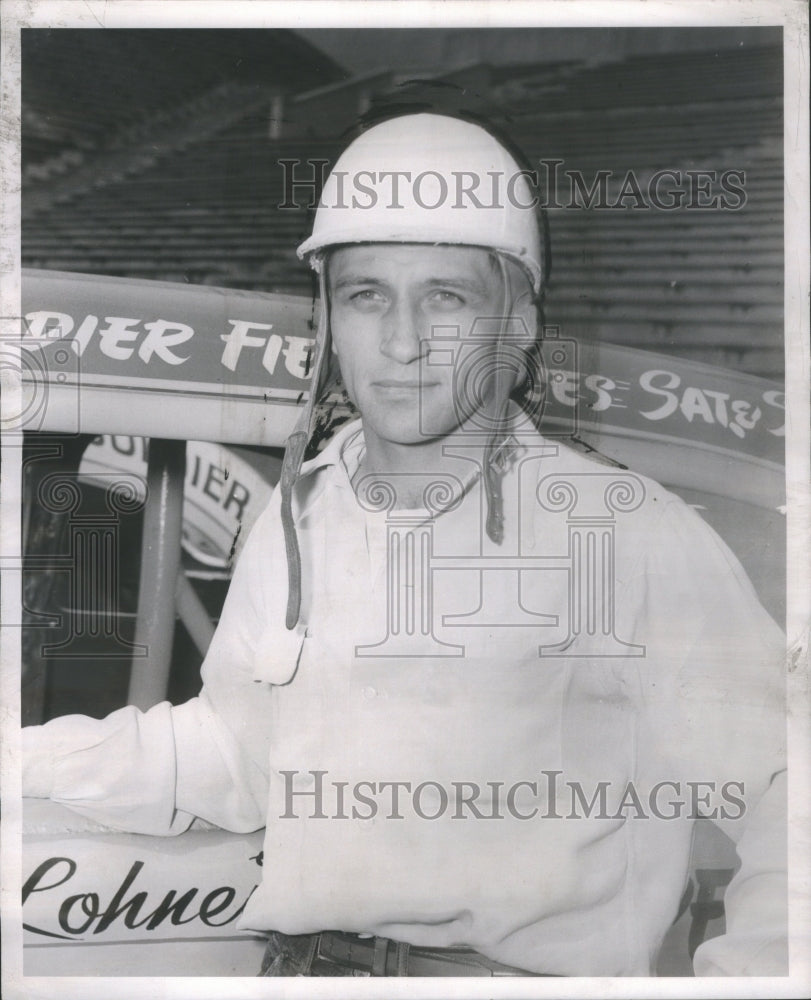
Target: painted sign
{"x": 85, "y": 886}
{"x": 129, "y": 357}
{"x": 600, "y": 386}
{"x": 225, "y": 490}
{"x": 116, "y": 355}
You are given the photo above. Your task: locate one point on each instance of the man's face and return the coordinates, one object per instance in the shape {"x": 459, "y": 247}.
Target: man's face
{"x": 385, "y": 301}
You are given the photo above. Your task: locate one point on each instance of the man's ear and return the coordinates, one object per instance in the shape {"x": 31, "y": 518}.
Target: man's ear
{"x": 524, "y": 303}
{"x": 527, "y": 311}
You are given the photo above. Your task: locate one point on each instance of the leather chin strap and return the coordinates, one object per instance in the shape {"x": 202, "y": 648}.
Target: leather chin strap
{"x": 492, "y": 469}
{"x": 295, "y": 447}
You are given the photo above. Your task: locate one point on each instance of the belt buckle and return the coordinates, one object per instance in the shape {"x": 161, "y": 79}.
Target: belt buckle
{"x": 345, "y": 963}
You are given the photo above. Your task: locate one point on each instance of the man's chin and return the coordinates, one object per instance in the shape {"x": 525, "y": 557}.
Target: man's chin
{"x": 405, "y": 435}
{"x": 415, "y": 432}
{"x": 411, "y": 440}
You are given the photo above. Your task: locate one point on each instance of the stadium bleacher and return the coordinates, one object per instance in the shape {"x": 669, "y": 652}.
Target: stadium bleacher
{"x": 192, "y": 194}
{"x": 83, "y": 88}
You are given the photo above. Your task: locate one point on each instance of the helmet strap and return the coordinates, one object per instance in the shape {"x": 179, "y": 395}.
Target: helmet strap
{"x": 295, "y": 447}
{"x": 493, "y": 469}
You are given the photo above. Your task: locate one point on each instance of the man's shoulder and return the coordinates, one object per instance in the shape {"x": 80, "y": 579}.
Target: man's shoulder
{"x": 575, "y": 486}
{"x": 575, "y": 463}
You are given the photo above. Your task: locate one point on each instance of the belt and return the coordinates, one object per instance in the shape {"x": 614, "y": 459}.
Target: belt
{"x": 376, "y": 956}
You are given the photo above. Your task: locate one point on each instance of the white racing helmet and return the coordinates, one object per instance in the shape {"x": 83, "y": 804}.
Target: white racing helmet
{"x": 433, "y": 179}
{"x": 425, "y": 179}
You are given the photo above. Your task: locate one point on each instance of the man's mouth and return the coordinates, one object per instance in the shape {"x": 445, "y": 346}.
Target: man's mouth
{"x": 395, "y": 383}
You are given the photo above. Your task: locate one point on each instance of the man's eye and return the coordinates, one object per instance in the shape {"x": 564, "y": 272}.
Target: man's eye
{"x": 444, "y": 298}
{"x": 366, "y": 295}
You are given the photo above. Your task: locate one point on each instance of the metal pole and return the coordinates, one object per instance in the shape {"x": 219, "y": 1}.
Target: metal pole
{"x": 160, "y": 563}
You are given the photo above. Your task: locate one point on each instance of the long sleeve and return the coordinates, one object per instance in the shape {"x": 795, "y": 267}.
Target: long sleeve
{"x": 718, "y": 712}
{"x": 755, "y": 903}
{"x": 119, "y": 771}
{"x": 153, "y": 772}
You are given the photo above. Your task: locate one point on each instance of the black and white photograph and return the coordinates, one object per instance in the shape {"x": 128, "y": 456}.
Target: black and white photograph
{"x": 405, "y": 528}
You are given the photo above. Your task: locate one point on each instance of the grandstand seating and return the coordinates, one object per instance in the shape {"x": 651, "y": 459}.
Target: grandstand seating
{"x": 666, "y": 78}
{"x": 702, "y": 284}
{"x": 81, "y": 88}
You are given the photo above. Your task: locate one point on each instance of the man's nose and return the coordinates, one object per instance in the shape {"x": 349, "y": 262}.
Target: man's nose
{"x": 402, "y": 334}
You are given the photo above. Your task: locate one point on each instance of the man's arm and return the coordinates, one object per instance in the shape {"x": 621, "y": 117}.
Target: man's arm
{"x": 119, "y": 771}
{"x": 153, "y": 772}
{"x": 715, "y": 700}
{"x": 756, "y": 901}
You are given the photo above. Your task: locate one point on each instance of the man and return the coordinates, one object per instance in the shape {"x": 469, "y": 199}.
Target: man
{"x": 482, "y": 709}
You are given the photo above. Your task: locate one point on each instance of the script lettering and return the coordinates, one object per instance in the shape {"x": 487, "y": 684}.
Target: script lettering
{"x": 83, "y": 913}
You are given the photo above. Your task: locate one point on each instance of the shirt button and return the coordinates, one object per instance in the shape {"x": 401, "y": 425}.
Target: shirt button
{"x": 369, "y": 693}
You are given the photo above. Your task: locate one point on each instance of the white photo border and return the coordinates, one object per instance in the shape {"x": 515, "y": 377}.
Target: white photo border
{"x": 793, "y": 16}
